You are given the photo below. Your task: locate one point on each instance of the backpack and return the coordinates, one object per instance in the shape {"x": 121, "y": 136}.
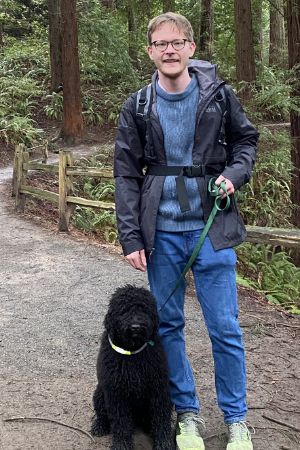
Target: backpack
{"x": 143, "y": 106}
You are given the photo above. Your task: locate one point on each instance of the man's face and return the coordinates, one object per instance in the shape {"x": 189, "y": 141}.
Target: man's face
{"x": 170, "y": 62}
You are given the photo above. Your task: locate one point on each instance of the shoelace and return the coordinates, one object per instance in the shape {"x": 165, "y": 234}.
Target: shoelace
{"x": 239, "y": 432}
{"x": 188, "y": 425}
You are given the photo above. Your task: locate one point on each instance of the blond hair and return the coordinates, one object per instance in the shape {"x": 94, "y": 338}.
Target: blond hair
{"x": 177, "y": 20}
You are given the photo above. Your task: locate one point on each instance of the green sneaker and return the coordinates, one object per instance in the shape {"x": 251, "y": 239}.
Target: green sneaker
{"x": 239, "y": 437}
{"x": 187, "y": 432}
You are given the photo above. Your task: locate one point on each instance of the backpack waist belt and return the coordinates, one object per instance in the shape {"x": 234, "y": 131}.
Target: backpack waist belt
{"x": 180, "y": 172}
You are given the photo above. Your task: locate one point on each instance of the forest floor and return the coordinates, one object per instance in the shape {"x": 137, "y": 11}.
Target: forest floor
{"x": 54, "y": 291}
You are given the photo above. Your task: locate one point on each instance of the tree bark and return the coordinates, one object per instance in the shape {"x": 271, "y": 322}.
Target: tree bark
{"x": 257, "y": 8}
{"x": 206, "y": 30}
{"x": 277, "y": 34}
{"x": 244, "y": 48}
{"x": 1, "y": 35}
{"x": 293, "y": 25}
{"x": 168, "y": 5}
{"x": 132, "y": 30}
{"x": 54, "y": 37}
{"x": 72, "y": 111}
{"x": 107, "y": 3}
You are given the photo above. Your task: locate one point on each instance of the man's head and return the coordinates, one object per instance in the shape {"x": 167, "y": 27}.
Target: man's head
{"x": 176, "y": 20}
{"x": 170, "y": 39}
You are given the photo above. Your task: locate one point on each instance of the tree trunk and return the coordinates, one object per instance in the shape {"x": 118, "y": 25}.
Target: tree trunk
{"x": 293, "y": 24}
{"x": 107, "y": 3}
{"x": 54, "y": 37}
{"x": 277, "y": 34}
{"x": 257, "y": 7}
{"x": 1, "y": 35}
{"x": 244, "y": 48}
{"x": 206, "y": 29}
{"x": 132, "y": 41}
{"x": 72, "y": 112}
{"x": 168, "y": 5}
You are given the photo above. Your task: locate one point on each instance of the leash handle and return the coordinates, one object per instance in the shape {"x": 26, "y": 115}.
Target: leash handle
{"x": 214, "y": 191}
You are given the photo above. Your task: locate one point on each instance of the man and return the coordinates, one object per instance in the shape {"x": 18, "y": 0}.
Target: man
{"x": 162, "y": 167}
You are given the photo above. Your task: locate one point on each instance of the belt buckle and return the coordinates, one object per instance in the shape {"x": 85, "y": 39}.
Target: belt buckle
{"x": 199, "y": 170}
{"x": 187, "y": 171}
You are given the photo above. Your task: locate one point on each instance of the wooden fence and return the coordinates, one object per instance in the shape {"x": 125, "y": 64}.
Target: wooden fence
{"x": 66, "y": 170}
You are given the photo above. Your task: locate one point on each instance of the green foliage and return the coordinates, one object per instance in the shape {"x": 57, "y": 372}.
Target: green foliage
{"x": 271, "y": 98}
{"x": 101, "y": 222}
{"x": 104, "y": 223}
{"x": 91, "y": 109}
{"x": 265, "y": 201}
{"x": 23, "y": 67}
{"x": 17, "y": 129}
{"x": 54, "y": 109}
{"x": 28, "y": 58}
{"x": 271, "y": 273}
{"x": 104, "y": 46}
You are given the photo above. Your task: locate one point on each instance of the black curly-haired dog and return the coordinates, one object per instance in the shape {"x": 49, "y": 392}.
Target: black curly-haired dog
{"x": 132, "y": 388}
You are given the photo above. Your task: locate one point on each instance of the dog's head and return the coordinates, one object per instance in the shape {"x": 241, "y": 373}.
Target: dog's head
{"x": 132, "y": 317}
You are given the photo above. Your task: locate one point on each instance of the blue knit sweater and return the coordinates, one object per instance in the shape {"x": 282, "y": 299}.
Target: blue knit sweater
{"x": 177, "y": 116}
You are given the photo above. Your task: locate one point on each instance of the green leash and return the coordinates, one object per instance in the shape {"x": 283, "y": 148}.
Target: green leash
{"x": 214, "y": 191}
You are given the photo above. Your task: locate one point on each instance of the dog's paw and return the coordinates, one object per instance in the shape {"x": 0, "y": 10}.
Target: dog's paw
{"x": 166, "y": 445}
{"x": 99, "y": 429}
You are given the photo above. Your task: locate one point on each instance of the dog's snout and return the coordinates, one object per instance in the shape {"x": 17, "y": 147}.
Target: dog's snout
{"x": 135, "y": 326}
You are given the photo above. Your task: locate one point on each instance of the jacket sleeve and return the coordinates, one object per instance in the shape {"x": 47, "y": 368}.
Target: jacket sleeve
{"x": 242, "y": 140}
{"x": 128, "y": 173}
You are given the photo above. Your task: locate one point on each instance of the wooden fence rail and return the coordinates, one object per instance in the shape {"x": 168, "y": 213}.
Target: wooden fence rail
{"x": 66, "y": 170}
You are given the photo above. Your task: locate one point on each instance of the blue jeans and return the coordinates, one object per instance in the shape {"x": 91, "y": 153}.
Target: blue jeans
{"x": 215, "y": 283}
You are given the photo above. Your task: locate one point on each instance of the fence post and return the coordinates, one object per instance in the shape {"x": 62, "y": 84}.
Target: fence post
{"x": 19, "y": 176}
{"x": 65, "y": 187}
{"x": 18, "y": 150}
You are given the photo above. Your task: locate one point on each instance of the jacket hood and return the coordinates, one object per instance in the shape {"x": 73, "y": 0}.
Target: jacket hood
{"x": 205, "y": 71}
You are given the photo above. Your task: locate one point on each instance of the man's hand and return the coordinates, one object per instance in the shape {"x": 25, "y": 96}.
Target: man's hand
{"x": 137, "y": 260}
{"x": 229, "y": 186}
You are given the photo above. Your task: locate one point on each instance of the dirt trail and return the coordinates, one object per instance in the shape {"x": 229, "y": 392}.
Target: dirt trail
{"x": 54, "y": 290}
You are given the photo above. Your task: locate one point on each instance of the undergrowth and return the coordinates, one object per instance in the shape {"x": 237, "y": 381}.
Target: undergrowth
{"x": 91, "y": 220}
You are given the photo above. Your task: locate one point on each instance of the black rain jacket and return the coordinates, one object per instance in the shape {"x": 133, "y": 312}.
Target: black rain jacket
{"x": 138, "y": 195}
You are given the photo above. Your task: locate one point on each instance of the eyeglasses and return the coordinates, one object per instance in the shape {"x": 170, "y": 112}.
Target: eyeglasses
{"x": 177, "y": 44}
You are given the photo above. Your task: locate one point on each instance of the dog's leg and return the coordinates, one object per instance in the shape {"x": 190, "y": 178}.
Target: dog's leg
{"x": 122, "y": 426}
{"x": 160, "y": 420}
{"x": 100, "y": 425}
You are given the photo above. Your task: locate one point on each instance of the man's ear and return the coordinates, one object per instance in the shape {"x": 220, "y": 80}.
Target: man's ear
{"x": 150, "y": 51}
{"x": 192, "y": 48}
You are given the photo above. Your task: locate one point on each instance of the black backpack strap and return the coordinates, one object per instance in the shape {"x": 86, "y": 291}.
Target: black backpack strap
{"x": 144, "y": 102}
{"x": 221, "y": 102}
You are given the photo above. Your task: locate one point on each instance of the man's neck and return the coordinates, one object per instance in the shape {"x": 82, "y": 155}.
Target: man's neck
{"x": 174, "y": 85}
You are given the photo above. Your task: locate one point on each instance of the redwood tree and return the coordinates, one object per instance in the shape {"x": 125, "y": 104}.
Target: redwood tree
{"x": 257, "y": 17}
{"x": 54, "y": 37}
{"x": 277, "y": 33}
{"x": 72, "y": 111}
{"x": 132, "y": 30}
{"x": 293, "y": 23}
{"x": 206, "y": 29}
{"x": 244, "y": 48}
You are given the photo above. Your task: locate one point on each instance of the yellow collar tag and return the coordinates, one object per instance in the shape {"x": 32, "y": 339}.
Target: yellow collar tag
{"x": 128, "y": 352}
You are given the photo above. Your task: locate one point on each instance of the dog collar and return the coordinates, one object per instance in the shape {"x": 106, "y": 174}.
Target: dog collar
{"x": 128, "y": 352}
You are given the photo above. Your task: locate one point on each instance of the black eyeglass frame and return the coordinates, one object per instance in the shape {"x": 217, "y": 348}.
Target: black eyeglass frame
{"x": 170, "y": 42}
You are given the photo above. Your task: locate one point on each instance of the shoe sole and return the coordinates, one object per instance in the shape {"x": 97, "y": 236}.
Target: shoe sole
{"x": 188, "y": 448}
